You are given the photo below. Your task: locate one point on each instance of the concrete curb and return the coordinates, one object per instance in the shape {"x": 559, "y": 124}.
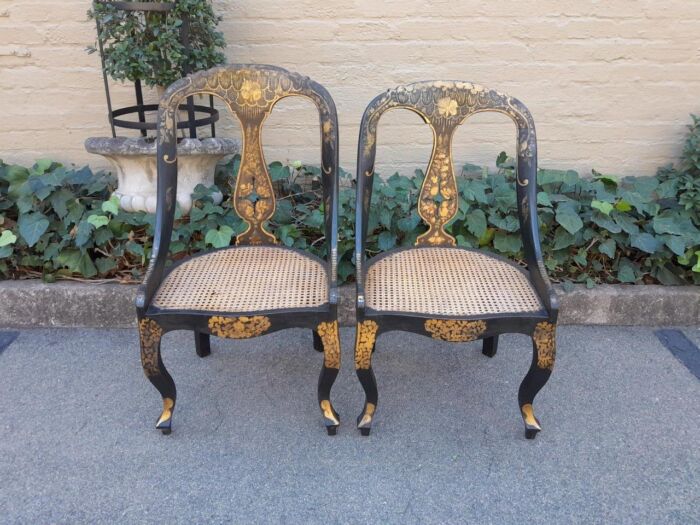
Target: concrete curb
{"x": 35, "y": 304}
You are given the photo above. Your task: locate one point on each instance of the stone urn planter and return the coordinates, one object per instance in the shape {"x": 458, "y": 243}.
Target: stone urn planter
{"x": 134, "y": 160}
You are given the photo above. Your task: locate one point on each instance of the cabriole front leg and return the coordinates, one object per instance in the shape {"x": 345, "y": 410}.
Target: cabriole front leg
{"x": 543, "y": 357}
{"x": 329, "y": 339}
{"x": 365, "y": 337}
{"x": 150, "y": 334}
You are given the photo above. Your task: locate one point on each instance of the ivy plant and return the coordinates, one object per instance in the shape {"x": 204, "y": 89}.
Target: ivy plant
{"x": 57, "y": 222}
{"x": 147, "y": 45}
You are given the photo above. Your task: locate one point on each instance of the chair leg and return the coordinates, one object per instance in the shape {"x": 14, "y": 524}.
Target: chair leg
{"x": 490, "y": 346}
{"x": 150, "y": 334}
{"x": 202, "y": 343}
{"x": 329, "y": 341}
{"x": 365, "y": 337}
{"x": 543, "y": 357}
{"x": 318, "y": 343}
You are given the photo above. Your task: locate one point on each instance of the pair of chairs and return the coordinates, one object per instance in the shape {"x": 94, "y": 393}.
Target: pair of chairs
{"x": 434, "y": 289}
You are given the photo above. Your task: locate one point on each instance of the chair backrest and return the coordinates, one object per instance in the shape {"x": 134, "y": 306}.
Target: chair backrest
{"x": 250, "y": 92}
{"x": 444, "y": 106}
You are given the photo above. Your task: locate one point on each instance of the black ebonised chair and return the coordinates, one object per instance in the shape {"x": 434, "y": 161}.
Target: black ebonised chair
{"x": 437, "y": 289}
{"x": 256, "y": 287}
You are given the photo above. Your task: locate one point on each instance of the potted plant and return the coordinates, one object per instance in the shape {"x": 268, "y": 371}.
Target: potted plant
{"x": 155, "y": 43}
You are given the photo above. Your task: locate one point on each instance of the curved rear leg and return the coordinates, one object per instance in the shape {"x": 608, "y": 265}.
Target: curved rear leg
{"x": 365, "y": 337}
{"x": 490, "y": 346}
{"x": 150, "y": 334}
{"x": 543, "y": 357}
{"x": 202, "y": 344}
{"x": 329, "y": 340}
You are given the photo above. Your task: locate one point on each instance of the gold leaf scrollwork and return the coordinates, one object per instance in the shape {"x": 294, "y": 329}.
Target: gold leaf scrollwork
{"x": 331, "y": 343}
{"x": 544, "y": 337}
{"x": 364, "y": 342}
{"x": 239, "y": 327}
{"x": 149, "y": 335}
{"x": 455, "y": 330}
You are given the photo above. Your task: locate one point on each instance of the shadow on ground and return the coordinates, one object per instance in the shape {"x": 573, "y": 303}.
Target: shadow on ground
{"x": 621, "y": 420}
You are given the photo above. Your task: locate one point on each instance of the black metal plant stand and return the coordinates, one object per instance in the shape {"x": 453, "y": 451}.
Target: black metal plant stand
{"x": 192, "y": 123}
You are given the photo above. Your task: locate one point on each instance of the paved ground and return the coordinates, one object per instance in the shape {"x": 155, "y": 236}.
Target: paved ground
{"x": 620, "y": 443}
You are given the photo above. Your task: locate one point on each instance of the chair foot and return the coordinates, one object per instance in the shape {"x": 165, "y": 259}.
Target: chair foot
{"x": 532, "y": 425}
{"x": 332, "y": 430}
{"x": 202, "y": 343}
{"x": 365, "y": 431}
{"x": 165, "y": 421}
{"x": 490, "y": 346}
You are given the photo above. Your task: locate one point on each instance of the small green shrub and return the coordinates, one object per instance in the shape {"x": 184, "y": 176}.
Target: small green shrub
{"x": 59, "y": 223}
{"x": 147, "y": 46}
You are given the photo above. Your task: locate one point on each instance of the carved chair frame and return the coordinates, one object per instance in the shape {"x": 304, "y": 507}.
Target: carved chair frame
{"x": 250, "y": 92}
{"x": 444, "y": 106}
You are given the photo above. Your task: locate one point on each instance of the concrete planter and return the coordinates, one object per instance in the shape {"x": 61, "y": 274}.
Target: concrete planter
{"x": 134, "y": 160}
{"x": 34, "y": 304}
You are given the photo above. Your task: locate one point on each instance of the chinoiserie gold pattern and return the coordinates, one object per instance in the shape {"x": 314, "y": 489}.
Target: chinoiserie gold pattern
{"x": 529, "y": 416}
{"x": 455, "y": 330}
{"x": 444, "y": 106}
{"x": 239, "y": 327}
{"x": 366, "y": 418}
{"x": 149, "y": 334}
{"x": 544, "y": 337}
{"x": 250, "y": 92}
{"x": 364, "y": 342}
{"x": 331, "y": 343}
{"x": 167, "y": 413}
{"x": 328, "y": 413}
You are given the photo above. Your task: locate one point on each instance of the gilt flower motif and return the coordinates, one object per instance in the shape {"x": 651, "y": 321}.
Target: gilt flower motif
{"x": 447, "y": 107}
{"x": 251, "y": 91}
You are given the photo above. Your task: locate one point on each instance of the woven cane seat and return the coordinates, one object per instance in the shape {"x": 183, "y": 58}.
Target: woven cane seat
{"x": 448, "y": 281}
{"x": 245, "y": 279}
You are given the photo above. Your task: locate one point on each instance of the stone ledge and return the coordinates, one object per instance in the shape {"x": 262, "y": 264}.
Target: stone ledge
{"x": 35, "y": 304}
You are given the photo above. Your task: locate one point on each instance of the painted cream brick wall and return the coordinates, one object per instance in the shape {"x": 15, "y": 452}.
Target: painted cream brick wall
{"x": 609, "y": 82}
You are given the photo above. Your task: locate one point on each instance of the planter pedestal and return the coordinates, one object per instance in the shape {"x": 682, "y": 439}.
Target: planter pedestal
{"x": 135, "y": 162}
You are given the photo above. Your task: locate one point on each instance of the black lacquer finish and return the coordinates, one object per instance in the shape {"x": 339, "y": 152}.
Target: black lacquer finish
{"x": 444, "y": 106}
{"x": 251, "y": 92}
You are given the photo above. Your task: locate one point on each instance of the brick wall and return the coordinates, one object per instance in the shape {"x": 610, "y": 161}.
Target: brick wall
{"x": 610, "y": 83}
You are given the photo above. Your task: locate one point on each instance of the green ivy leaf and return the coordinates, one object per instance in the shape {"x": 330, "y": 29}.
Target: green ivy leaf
{"x": 98, "y": 220}
{"x": 32, "y": 226}
{"x": 476, "y": 223}
{"x": 604, "y": 207}
{"x": 607, "y": 247}
{"x": 567, "y": 217}
{"x": 111, "y": 206}
{"x": 626, "y": 272}
{"x": 646, "y": 242}
{"x": 7, "y": 238}
{"x": 386, "y": 241}
{"x": 696, "y": 266}
{"x": 507, "y": 243}
{"x": 220, "y": 237}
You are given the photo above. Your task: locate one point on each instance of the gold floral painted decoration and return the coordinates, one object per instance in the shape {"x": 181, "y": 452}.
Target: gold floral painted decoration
{"x": 251, "y": 91}
{"x": 544, "y": 337}
{"x": 455, "y": 330}
{"x": 239, "y": 327}
{"x": 364, "y": 342}
{"x": 331, "y": 344}
{"x": 367, "y": 415}
{"x": 447, "y": 107}
{"x": 149, "y": 334}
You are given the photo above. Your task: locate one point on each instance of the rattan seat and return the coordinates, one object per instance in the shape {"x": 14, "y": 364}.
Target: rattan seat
{"x": 245, "y": 279}
{"x": 448, "y": 281}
